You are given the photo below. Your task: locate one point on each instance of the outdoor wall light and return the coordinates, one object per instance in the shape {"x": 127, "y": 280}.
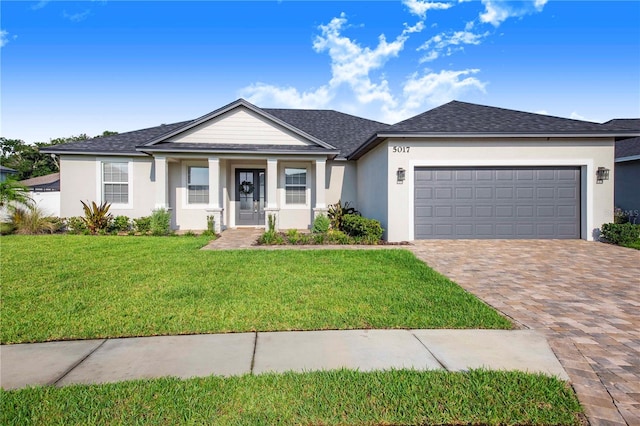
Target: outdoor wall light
{"x": 602, "y": 174}
{"x": 400, "y": 174}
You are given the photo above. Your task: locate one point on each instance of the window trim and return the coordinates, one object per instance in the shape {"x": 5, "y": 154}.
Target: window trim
{"x": 100, "y": 161}
{"x": 308, "y": 183}
{"x": 185, "y": 185}
{"x": 188, "y": 185}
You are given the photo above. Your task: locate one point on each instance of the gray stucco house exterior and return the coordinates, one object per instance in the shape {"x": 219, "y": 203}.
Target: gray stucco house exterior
{"x": 460, "y": 170}
{"x": 627, "y": 169}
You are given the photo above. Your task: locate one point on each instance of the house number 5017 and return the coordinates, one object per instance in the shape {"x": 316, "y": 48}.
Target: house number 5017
{"x": 401, "y": 149}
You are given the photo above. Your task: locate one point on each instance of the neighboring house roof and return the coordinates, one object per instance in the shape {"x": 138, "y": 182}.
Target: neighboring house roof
{"x": 628, "y": 149}
{"x": 462, "y": 119}
{"x": 49, "y": 182}
{"x": 7, "y": 169}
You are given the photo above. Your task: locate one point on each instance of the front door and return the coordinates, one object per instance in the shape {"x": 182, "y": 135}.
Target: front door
{"x": 250, "y": 191}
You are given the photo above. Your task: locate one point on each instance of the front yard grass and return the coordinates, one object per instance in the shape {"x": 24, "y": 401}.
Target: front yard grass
{"x": 63, "y": 287}
{"x": 340, "y": 397}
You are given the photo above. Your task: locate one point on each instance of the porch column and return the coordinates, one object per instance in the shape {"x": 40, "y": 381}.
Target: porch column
{"x": 214, "y": 208}
{"x": 162, "y": 182}
{"x": 272, "y": 189}
{"x": 321, "y": 206}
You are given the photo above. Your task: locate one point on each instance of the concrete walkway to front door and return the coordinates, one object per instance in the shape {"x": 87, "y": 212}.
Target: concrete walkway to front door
{"x": 584, "y": 296}
{"x": 235, "y": 238}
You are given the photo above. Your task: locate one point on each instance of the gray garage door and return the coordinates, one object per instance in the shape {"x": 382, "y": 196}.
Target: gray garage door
{"x": 497, "y": 202}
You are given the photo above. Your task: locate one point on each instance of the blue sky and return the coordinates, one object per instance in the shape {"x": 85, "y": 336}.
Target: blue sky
{"x": 85, "y": 67}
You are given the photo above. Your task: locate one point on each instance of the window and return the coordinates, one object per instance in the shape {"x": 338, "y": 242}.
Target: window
{"x": 198, "y": 185}
{"x": 115, "y": 182}
{"x": 295, "y": 185}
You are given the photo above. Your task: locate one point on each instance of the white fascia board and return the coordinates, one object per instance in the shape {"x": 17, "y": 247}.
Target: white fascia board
{"x": 630, "y": 158}
{"x": 93, "y": 153}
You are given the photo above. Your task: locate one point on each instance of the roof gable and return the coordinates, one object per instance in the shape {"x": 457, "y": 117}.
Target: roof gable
{"x": 239, "y": 122}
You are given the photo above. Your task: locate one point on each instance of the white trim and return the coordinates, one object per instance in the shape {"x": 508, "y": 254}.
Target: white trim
{"x": 586, "y": 185}
{"x": 310, "y": 181}
{"x": 630, "y": 158}
{"x": 100, "y": 186}
{"x": 185, "y": 189}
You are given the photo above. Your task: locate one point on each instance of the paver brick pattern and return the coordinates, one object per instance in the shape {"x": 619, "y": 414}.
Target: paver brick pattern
{"x": 585, "y": 297}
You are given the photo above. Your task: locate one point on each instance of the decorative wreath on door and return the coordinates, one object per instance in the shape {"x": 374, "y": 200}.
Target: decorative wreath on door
{"x": 246, "y": 187}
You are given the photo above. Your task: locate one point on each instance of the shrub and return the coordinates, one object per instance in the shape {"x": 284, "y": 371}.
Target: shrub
{"x": 76, "y": 225}
{"x": 32, "y": 220}
{"x": 160, "y": 222}
{"x": 293, "y": 236}
{"x": 620, "y": 233}
{"x": 189, "y": 233}
{"x": 271, "y": 223}
{"x": 320, "y": 224}
{"x": 211, "y": 224}
{"x": 319, "y": 238}
{"x": 271, "y": 238}
{"x": 620, "y": 216}
{"x": 364, "y": 229}
{"x": 142, "y": 224}
{"x": 121, "y": 224}
{"x": 97, "y": 217}
{"x": 337, "y": 211}
{"x": 208, "y": 233}
{"x": 339, "y": 237}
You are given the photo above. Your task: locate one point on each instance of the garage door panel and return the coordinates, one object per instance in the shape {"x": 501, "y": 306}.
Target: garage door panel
{"x": 497, "y": 202}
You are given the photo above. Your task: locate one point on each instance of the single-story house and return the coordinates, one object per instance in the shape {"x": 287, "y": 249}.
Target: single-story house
{"x": 45, "y": 192}
{"x": 460, "y": 170}
{"x": 627, "y": 168}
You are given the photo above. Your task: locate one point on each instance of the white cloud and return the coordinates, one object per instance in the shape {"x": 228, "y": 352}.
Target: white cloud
{"x": 434, "y": 89}
{"x": 543, "y": 112}
{"x": 420, "y": 7}
{"x": 40, "y": 4}
{"x": 76, "y": 17}
{"x": 440, "y": 42}
{"x": 498, "y": 11}
{"x": 353, "y": 72}
{"x": 3, "y": 38}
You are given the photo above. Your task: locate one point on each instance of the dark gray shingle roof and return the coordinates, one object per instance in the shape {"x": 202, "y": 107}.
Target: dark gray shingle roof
{"x": 623, "y": 124}
{"x": 345, "y": 132}
{"x": 458, "y": 117}
{"x": 122, "y": 143}
{"x": 628, "y": 147}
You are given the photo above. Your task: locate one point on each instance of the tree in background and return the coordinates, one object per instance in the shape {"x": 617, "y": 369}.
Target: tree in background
{"x": 27, "y": 158}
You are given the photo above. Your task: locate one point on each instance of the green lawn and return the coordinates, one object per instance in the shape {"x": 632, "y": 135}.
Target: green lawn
{"x": 320, "y": 398}
{"x": 79, "y": 287}
{"x": 633, "y": 245}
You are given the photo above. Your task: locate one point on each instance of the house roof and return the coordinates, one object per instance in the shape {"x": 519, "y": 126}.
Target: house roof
{"x": 623, "y": 124}
{"x": 120, "y": 144}
{"x": 50, "y": 182}
{"x": 462, "y": 119}
{"x": 628, "y": 149}
{"x": 348, "y": 136}
{"x": 458, "y": 117}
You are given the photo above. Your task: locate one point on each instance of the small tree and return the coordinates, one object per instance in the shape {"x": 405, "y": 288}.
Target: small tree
{"x": 13, "y": 192}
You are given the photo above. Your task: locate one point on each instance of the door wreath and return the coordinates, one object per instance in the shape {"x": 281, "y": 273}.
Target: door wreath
{"x": 246, "y": 187}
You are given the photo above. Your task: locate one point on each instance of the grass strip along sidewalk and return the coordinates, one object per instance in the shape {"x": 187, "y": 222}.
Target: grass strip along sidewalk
{"x": 340, "y": 397}
{"x": 63, "y": 287}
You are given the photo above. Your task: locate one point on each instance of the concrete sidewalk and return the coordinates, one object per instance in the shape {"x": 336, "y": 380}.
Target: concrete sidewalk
{"x": 112, "y": 360}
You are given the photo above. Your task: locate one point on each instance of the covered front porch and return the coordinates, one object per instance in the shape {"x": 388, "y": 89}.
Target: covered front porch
{"x": 240, "y": 191}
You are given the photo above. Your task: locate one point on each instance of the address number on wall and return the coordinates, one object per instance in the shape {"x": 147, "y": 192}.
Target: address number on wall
{"x": 401, "y": 149}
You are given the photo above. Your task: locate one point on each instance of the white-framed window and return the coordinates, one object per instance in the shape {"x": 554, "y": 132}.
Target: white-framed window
{"x": 197, "y": 185}
{"x": 114, "y": 178}
{"x": 295, "y": 184}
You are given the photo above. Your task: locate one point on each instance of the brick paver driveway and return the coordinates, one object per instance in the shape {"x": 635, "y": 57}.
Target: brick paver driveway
{"x": 584, "y": 296}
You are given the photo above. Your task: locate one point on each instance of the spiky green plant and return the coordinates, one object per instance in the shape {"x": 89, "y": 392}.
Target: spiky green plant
{"x": 96, "y": 217}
